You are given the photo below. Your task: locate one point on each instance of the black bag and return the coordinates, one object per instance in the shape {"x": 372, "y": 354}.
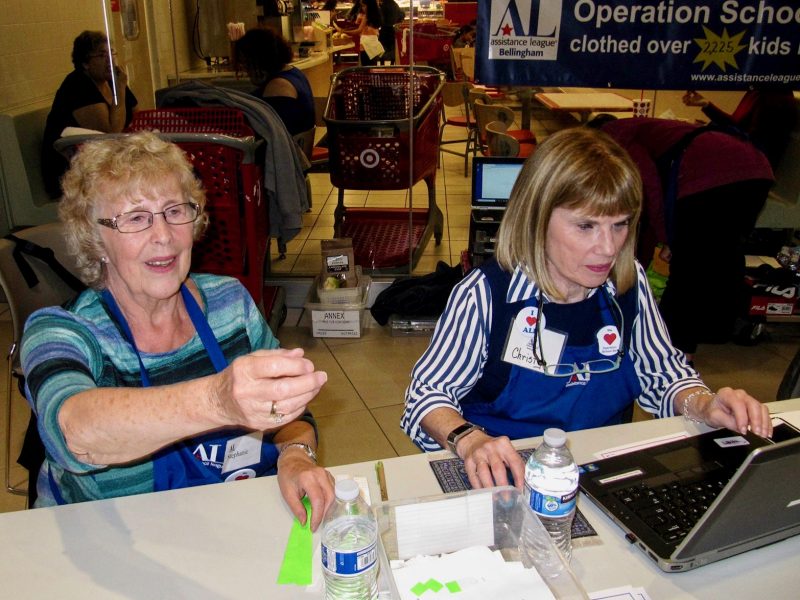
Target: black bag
{"x": 32, "y": 454}
{"x": 417, "y": 296}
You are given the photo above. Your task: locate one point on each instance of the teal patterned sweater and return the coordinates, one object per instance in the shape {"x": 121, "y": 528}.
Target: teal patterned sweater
{"x": 72, "y": 349}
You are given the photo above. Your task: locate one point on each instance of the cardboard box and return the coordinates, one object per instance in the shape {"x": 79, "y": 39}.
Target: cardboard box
{"x": 338, "y": 320}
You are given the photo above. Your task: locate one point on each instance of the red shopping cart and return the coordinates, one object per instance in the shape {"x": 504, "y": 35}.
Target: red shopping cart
{"x": 432, "y": 43}
{"x": 375, "y": 117}
{"x": 222, "y": 147}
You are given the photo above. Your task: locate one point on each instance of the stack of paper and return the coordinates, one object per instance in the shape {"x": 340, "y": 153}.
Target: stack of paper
{"x": 474, "y": 573}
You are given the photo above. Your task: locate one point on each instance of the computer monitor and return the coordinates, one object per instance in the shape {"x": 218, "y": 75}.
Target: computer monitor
{"x": 492, "y": 180}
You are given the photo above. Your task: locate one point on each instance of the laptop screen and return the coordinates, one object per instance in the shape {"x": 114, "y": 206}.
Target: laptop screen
{"x": 492, "y": 180}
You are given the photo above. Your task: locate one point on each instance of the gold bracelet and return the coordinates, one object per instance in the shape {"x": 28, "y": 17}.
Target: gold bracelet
{"x": 692, "y": 396}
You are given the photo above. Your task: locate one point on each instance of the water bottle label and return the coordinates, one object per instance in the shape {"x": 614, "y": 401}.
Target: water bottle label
{"x": 552, "y": 505}
{"x": 349, "y": 564}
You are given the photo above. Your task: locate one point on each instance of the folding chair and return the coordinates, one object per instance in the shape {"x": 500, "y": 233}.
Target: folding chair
{"x": 500, "y": 143}
{"x": 456, "y": 93}
{"x": 30, "y": 283}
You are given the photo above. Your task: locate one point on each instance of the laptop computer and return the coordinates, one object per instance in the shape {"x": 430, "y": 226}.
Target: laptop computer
{"x": 493, "y": 178}
{"x": 704, "y": 498}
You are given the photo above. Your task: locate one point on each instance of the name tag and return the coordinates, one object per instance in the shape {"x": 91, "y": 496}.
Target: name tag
{"x": 243, "y": 451}
{"x": 519, "y": 348}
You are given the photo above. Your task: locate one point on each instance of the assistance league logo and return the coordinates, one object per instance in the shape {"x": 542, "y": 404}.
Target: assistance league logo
{"x": 525, "y": 30}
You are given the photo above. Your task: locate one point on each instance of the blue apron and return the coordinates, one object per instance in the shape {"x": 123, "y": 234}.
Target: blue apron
{"x": 198, "y": 460}
{"x": 532, "y": 401}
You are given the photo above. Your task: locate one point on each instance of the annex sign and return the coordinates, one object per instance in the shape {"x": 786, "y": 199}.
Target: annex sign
{"x": 667, "y": 44}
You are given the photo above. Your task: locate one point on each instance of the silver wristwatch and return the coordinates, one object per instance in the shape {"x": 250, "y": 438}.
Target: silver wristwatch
{"x": 305, "y": 447}
{"x": 459, "y": 432}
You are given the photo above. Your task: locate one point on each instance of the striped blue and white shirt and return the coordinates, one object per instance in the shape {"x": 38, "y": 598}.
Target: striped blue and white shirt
{"x": 458, "y": 351}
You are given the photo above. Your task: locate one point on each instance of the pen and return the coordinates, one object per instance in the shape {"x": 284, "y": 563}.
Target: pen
{"x": 381, "y": 480}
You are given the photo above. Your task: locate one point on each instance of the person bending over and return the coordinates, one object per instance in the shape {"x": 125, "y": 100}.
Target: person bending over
{"x": 766, "y": 116}
{"x": 367, "y": 28}
{"x": 155, "y": 378}
{"x": 561, "y": 330}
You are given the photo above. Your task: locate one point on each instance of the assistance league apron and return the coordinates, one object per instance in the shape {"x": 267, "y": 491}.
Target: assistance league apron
{"x": 210, "y": 458}
{"x": 531, "y": 400}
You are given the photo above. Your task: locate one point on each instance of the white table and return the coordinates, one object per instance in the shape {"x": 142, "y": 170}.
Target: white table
{"x": 227, "y": 541}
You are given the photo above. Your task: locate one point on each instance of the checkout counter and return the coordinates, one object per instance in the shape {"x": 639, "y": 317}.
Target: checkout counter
{"x": 317, "y": 66}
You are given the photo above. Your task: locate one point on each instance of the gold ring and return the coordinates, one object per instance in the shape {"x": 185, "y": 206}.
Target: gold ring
{"x": 272, "y": 411}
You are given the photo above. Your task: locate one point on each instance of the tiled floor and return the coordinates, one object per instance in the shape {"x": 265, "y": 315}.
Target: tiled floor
{"x": 359, "y": 409}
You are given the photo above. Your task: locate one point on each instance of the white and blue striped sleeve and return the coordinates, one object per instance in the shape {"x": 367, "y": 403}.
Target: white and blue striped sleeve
{"x": 662, "y": 369}
{"x": 454, "y": 360}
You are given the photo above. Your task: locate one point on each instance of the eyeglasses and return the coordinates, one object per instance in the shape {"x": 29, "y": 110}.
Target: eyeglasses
{"x": 600, "y": 365}
{"x": 139, "y": 220}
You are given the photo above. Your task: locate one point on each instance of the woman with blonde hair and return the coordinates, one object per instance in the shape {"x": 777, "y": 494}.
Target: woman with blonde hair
{"x": 156, "y": 378}
{"x": 561, "y": 330}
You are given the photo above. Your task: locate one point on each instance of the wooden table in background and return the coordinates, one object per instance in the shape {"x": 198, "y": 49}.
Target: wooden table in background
{"x": 585, "y": 103}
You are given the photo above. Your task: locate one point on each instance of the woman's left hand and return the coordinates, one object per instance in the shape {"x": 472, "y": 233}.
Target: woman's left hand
{"x": 737, "y": 410}
{"x": 299, "y": 476}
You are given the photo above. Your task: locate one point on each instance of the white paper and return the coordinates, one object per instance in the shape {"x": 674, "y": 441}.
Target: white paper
{"x": 478, "y": 572}
{"x": 430, "y": 528}
{"x": 621, "y": 593}
{"x": 624, "y": 449}
{"x": 792, "y": 417}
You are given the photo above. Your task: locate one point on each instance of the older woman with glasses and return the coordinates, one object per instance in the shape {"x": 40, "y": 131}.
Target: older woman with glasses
{"x": 95, "y": 95}
{"x": 561, "y": 330}
{"x": 155, "y": 378}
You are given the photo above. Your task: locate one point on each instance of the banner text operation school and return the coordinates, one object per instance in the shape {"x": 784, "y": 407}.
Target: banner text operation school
{"x": 664, "y": 12}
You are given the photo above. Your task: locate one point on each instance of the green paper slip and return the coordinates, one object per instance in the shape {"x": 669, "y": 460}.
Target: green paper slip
{"x": 296, "y": 567}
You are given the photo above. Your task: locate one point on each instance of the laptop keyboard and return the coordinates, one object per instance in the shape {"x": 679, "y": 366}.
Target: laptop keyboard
{"x": 672, "y": 509}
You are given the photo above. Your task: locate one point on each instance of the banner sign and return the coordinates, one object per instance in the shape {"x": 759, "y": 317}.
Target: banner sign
{"x": 663, "y": 44}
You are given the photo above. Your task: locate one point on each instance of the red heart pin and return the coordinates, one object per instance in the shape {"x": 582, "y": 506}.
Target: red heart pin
{"x": 531, "y": 321}
{"x": 610, "y": 337}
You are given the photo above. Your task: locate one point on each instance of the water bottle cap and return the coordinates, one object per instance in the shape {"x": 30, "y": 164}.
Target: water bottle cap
{"x": 346, "y": 489}
{"x": 555, "y": 437}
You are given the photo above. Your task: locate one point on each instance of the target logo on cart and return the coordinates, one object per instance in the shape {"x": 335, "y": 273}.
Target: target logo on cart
{"x": 369, "y": 158}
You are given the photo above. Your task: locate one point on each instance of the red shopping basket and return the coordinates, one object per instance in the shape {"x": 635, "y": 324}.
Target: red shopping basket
{"x": 374, "y": 115}
{"x": 431, "y": 44}
{"x": 221, "y": 147}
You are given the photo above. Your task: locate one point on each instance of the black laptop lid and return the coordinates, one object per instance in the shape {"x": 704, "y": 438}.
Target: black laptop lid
{"x": 492, "y": 180}
{"x": 762, "y": 500}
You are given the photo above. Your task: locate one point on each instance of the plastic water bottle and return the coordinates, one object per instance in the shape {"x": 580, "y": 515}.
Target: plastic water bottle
{"x": 350, "y": 546}
{"x": 551, "y": 487}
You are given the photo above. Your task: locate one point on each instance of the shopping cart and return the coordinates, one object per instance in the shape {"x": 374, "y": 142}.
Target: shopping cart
{"x": 371, "y": 134}
{"x": 222, "y": 148}
{"x": 432, "y": 43}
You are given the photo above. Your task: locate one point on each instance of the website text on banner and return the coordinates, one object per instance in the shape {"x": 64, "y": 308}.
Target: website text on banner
{"x": 666, "y": 44}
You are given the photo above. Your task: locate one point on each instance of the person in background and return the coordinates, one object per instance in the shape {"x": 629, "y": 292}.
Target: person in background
{"x": 464, "y": 37}
{"x": 700, "y": 218}
{"x": 766, "y": 116}
{"x": 86, "y": 99}
{"x": 367, "y": 26}
{"x": 391, "y": 15}
{"x": 265, "y": 56}
{"x": 155, "y": 378}
{"x": 561, "y": 330}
